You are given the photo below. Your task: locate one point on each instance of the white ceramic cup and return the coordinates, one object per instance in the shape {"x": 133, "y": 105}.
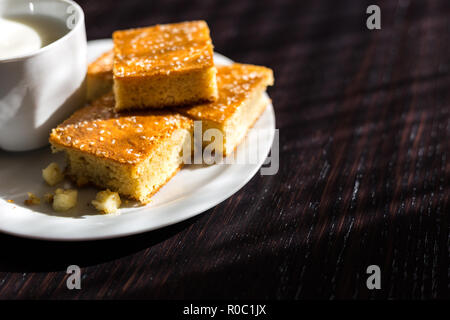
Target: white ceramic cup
{"x": 40, "y": 89}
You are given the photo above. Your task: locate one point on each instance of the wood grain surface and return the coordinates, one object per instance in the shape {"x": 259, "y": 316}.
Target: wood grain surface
{"x": 364, "y": 173}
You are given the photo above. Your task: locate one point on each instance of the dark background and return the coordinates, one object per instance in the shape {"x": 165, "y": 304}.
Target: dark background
{"x": 364, "y": 173}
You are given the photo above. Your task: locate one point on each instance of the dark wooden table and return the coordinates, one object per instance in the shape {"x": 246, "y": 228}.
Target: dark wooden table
{"x": 364, "y": 172}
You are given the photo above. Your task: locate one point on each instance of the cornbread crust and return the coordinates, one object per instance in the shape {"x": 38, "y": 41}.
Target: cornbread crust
{"x": 133, "y": 154}
{"x": 99, "y": 76}
{"x": 164, "y": 65}
{"x": 240, "y": 103}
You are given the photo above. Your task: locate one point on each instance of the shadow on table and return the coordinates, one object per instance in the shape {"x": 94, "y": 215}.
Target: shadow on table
{"x": 26, "y": 255}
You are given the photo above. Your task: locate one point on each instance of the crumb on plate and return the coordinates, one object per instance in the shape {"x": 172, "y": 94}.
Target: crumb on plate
{"x": 107, "y": 201}
{"x": 52, "y": 174}
{"x": 48, "y": 197}
{"x": 32, "y": 199}
{"x": 64, "y": 200}
{"x": 82, "y": 181}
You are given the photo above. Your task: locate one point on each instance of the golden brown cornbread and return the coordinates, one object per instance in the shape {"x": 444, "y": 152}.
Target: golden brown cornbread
{"x": 99, "y": 76}
{"x": 215, "y": 114}
{"x": 130, "y": 153}
{"x": 241, "y": 101}
{"x": 164, "y": 65}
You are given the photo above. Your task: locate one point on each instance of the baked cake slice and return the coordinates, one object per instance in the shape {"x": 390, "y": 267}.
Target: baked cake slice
{"x": 241, "y": 101}
{"x": 99, "y": 76}
{"x": 164, "y": 65}
{"x": 133, "y": 154}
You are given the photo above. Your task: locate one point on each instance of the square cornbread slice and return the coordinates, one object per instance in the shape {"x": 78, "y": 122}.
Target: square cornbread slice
{"x": 132, "y": 154}
{"x": 241, "y": 102}
{"x": 164, "y": 65}
{"x": 99, "y": 76}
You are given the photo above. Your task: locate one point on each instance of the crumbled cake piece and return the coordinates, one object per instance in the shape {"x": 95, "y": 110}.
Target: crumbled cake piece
{"x": 52, "y": 174}
{"x": 99, "y": 76}
{"x": 48, "y": 197}
{"x": 81, "y": 181}
{"x": 107, "y": 201}
{"x": 241, "y": 101}
{"x": 164, "y": 65}
{"x": 32, "y": 199}
{"x": 64, "y": 200}
{"x": 133, "y": 154}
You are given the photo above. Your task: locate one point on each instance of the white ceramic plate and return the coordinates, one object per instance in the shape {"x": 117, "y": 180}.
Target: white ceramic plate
{"x": 195, "y": 189}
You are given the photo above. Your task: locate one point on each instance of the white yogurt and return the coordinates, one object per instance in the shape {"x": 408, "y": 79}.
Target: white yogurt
{"x": 25, "y": 34}
{"x": 17, "y": 39}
